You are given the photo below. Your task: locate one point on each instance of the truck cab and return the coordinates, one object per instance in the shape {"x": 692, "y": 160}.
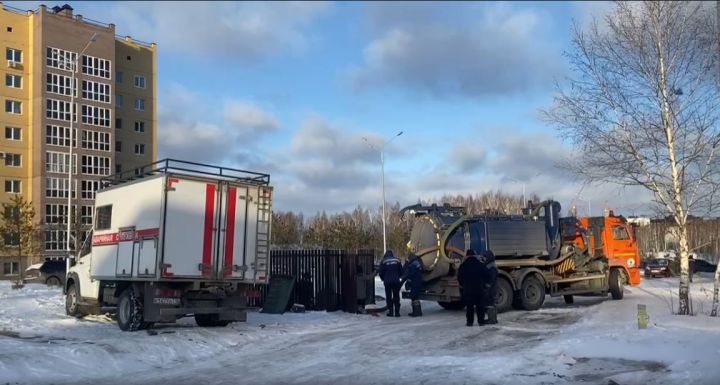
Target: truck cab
{"x": 614, "y": 237}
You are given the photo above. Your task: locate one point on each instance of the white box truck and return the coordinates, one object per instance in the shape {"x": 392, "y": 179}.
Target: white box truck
{"x": 180, "y": 239}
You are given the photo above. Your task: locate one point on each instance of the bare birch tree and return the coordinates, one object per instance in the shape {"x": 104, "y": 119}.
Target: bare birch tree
{"x": 641, "y": 107}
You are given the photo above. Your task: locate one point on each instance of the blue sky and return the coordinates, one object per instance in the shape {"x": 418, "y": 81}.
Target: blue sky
{"x": 292, "y": 88}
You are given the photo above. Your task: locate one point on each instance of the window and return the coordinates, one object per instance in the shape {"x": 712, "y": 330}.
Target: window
{"x": 140, "y": 104}
{"x": 119, "y": 76}
{"x": 139, "y": 126}
{"x": 96, "y": 91}
{"x": 9, "y": 29}
{"x": 59, "y": 84}
{"x": 139, "y": 149}
{"x": 139, "y": 81}
{"x": 13, "y": 81}
{"x": 58, "y": 187}
{"x": 93, "y": 140}
{"x": 12, "y": 238}
{"x": 620, "y": 233}
{"x": 60, "y": 162}
{"x": 13, "y": 160}
{"x": 88, "y": 189}
{"x": 138, "y": 171}
{"x": 55, "y": 240}
{"x": 118, "y": 100}
{"x": 95, "y": 165}
{"x": 96, "y": 67}
{"x": 13, "y": 133}
{"x": 60, "y": 136}
{"x": 11, "y": 268}
{"x": 59, "y": 58}
{"x": 104, "y": 217}
{"x": 56, "y": 214}
{"x": 118, "y": 147}
{"x": 96, "y": 116}
{"x": 118, "y": 123}
{"x": 13, "y": 54}
{"x": 59, "y": 110}
{"x": 13, "y": 106}
{"x": 118, "y": 168}
{"x": 86, "y": 215}
{"x": 12, "y": 186}
{"x": 12, "y": 212}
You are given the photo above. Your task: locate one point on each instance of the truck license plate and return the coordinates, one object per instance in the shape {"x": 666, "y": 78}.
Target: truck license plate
{"x": 166, "y": 301}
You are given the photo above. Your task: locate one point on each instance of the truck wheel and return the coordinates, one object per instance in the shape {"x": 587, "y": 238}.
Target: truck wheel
{"x": 130, "y": 311}
{"x": 451, "y": 305}
{"x": 53, "y": 281}
{"x": 532, "y": 293}
{"x": 616, "y": 284}
{"x": 209, "y": 320}
{"x": 569, "y": 299}
{"x": 72, "y": 303}
{"x": 504, "y": 295}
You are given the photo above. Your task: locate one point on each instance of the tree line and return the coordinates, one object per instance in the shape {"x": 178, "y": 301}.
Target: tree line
{"x": 361, "y": 228}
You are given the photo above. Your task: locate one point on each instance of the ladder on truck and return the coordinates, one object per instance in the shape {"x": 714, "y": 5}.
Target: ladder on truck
{"x": 262, "y": 258}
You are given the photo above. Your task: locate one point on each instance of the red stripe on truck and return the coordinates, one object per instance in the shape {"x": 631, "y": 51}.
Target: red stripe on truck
{"x": 230, "y": 233}
{"x": 208, "y": 232}
{"x": 115, "y": 238}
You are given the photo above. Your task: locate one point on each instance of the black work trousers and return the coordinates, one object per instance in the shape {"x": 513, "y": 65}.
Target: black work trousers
{"x": 392, "y": 296}
{"x": 474, "y": 305}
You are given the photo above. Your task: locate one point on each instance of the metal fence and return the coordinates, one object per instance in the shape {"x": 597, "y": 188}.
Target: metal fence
{"x": 324, "y": 279}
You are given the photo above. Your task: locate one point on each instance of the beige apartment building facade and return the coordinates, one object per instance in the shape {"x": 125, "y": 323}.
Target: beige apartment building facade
{"x": 113, "y": 123}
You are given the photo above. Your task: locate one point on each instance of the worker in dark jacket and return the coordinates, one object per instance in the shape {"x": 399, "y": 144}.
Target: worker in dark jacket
{"x": 412, "y": 274}
{"x": 489, "y": 278}
{"x": 472, "y": 286}
{"x": 391, "y": 271}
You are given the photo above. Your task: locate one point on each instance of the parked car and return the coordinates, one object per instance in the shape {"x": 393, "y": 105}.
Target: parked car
{"x": 703, "y": 266}
{"x": 657, "y": 267}
{"x": 51, "y": 273}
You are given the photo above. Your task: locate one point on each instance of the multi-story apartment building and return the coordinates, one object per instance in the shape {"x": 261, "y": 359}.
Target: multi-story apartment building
{"x": 55, "y": 59}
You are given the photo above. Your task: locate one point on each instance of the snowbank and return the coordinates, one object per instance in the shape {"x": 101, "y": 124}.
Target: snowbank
{"x": 592, "y": 341}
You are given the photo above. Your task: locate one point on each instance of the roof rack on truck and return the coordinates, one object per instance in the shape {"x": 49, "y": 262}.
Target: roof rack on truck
{"x": 181, "y": 167}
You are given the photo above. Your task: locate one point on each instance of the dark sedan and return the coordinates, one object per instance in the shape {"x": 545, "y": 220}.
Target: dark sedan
{"x": 657, "y": 268}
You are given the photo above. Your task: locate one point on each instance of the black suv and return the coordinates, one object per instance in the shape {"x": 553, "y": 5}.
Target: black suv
{"x": 51, "y": 273}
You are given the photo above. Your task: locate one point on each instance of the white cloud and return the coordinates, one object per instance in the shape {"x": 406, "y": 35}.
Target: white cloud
{"x": 183, "y": 133}
{"x": 468, "y": 157}
{"x": 467, "y": 49}
{"x": 249, "y": 120}
{"x": 248, "y": 31}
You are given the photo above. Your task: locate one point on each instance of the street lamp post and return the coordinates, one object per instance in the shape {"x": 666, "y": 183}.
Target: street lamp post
{"x": 588, "y": 203}
{"x": 524, "y": 202}
{"x": 73, "y": 114}
{"x": 381, "y": 150}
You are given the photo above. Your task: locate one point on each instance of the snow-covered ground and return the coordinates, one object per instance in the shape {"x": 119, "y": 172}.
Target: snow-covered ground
{"x": 591, "y": 342}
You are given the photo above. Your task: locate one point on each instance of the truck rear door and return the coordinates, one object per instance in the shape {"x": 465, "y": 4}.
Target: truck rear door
{"x": 190, "y": 228}
{"x": 245, "y": 232}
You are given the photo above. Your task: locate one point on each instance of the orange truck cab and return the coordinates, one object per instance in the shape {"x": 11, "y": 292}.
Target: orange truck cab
{"x": 614, "y": 237}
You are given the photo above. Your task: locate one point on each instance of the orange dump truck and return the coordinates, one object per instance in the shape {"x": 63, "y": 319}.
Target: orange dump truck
{"x": 613, "y": 237}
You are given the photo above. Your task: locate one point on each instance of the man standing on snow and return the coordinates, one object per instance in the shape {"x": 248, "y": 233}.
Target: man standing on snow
{"x": 390, "y": 272}
{"x": 413, "y": 276}
{"x": 489, "y": 275}
{"x": 472, "y": 288}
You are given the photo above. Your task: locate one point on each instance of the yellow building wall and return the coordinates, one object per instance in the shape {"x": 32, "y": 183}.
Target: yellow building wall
{"x": 16, "y": 32}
